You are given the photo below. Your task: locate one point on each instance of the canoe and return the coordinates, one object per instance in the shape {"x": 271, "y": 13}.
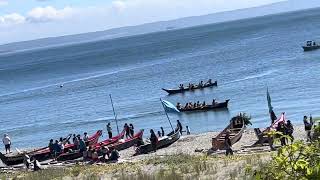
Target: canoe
{"x": 175, "y": 91}
{"x": 77, "y": 154}
{"x": 310, "y": 48}
{"x": 109, "y": 141}
{"x": 207, "y": 107}
{"x": 162, "y": 143}
{"x": 121, "y": 145}
{"x": 236, "y": 129}
{"x": 43, "y": 153}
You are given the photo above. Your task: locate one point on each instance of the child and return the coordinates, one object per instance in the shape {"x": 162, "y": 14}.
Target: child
{"x": 188, "y": 130}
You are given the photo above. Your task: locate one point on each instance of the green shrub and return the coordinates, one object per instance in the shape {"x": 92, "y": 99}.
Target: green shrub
{"x": 296, "y": 161}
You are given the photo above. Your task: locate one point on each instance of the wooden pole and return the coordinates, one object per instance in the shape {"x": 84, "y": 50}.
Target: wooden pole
{"x": 114, "y": 113}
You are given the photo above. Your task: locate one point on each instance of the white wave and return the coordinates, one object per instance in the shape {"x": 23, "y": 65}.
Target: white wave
{"x": 254, "y": 76}
{"x": 88, "y": 76}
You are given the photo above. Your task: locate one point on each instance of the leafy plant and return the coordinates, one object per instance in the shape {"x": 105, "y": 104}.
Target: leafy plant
{"x": 244, "y": 117}
{"x": 295, "y": 161}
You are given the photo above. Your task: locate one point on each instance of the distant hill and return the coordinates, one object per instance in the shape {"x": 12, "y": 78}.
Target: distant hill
{"x": 281, "y": 7}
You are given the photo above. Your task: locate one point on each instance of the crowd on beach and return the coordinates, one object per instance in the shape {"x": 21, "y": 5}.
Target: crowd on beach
{"x": 91, "y": 154}
{"x": 110, "y": 154}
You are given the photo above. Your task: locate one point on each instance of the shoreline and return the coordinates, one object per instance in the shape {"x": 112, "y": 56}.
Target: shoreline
{"x": 186, "y": 158}
{"x": 197, "y": 144}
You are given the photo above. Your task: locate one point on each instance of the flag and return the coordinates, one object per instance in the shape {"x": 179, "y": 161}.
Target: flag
{"x": 269, "y": 102}
{"x": 273, "y": 117}
{"x": 169, "y": 107}
{"x": 280, "y": 120}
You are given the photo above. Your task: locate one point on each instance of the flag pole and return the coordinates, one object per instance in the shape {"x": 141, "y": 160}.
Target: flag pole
{"x": 166, "y": 114}
{"x": 114, "y": 113}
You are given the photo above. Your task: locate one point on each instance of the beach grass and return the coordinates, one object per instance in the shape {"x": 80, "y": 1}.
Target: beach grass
{"x": 171, "y": 167}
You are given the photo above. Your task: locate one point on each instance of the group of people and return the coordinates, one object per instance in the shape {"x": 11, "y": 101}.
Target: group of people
{"x": 27, "y": 162}
{"x": 285, "y": 129}
{"x": 195, "y": 105}
{"x": 129, "y": 130}
{"x": 108, "y": 154}
{"x": 193, "y": 86}
{"x": 58, "y": 146}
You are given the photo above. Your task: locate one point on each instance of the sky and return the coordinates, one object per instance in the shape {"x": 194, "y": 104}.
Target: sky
{"x": 32, "y": 19}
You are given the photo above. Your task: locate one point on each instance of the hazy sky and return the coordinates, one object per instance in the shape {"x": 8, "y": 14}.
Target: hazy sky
{"x": 31, "y": 19}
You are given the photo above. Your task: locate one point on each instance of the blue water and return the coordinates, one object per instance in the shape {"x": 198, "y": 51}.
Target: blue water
{"x": 245, "y": 57}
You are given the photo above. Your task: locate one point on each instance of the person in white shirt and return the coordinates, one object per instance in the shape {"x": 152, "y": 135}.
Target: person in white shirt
{"x": 7, "y": 143}
{"x": 86, "y": 137}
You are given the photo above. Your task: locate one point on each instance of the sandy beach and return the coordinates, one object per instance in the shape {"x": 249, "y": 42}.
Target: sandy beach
{"x": 200, "y": 143}
{"x": 194, "y": 145}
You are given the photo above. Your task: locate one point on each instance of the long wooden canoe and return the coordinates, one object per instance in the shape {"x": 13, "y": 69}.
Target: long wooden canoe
{"x": 43, "y": 153}
{"x": 77, "y": 154}
{"x": 121, "y": 145}
{"x": 235, "y": 128}
{"x": 207, "y": 107}
{"x": 162, "y": 143}
{"x": 175, "y": 91}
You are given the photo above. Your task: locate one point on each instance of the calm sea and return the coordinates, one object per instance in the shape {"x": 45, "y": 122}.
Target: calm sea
{"x": 245, "y": 57}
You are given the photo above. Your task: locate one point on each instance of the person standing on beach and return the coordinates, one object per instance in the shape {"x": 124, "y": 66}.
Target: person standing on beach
{"x": 51, "y": 146}
{"x": 162, "y": 131}
{"x": 307, "y": 127}
{"x": 188, "y": 130}
{"x": 82, "y": 145}
{"x": 74, "y": 138}
{"x": 289, "y": 130}
{"x": 131, "y": 128}
{"x": 85, "y": 137}
{"x": 7, "y": 143}
{"x": 76, "y": 143}
{"x": 153, "y": 140}
{"x": 179, "y": 125}
{"x": 127, "y": 130}
{"x": 109, "y": 130}
{"x": 228, "y": 145}
{"x": 281, "y": 128}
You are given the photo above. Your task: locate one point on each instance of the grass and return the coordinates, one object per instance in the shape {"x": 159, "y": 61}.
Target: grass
{"x": 171, "y": 167}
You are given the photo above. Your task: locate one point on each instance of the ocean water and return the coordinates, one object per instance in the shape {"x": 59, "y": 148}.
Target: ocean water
{"x": 245, "y": 57}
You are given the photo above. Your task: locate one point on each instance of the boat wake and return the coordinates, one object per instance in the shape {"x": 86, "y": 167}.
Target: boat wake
{"x": 253, "y": 76}
{"x": 85, "y": 77}
{"x": 127, "y": 117}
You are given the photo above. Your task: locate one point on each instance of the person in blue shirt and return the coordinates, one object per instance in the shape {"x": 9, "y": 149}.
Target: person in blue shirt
{"x": 82, "y": 145}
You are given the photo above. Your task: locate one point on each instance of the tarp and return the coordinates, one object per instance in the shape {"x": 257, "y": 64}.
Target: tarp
{"x": 278, "y": 121}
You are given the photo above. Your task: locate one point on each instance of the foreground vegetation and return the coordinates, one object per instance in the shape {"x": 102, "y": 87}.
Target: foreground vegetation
{"x": 299, "y": 160}
{"x": 177, "y": 167}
